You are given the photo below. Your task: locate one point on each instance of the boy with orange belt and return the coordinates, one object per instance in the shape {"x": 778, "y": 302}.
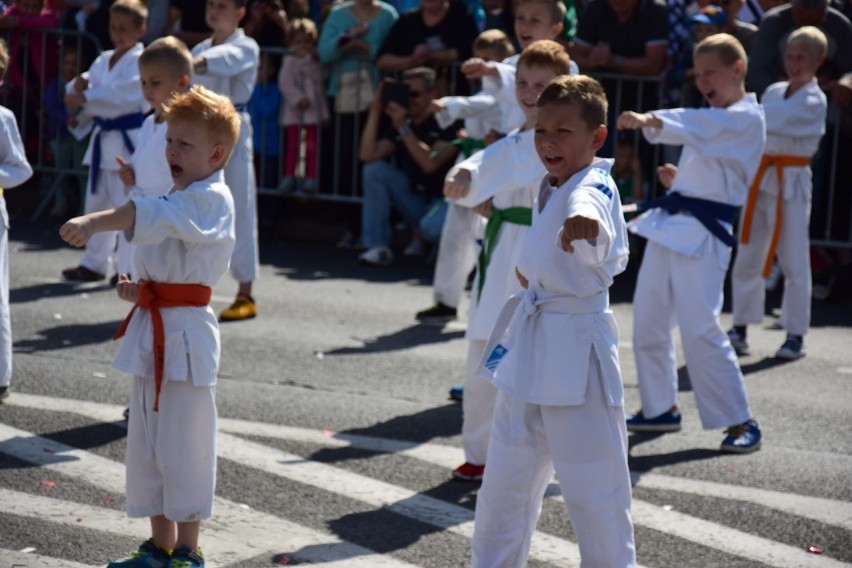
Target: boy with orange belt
{"x": 777, "y": 213}
{"x": 185, "y": 240}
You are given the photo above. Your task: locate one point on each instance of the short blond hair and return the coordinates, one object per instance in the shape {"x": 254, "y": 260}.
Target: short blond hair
{"x": 168, "y": 53}
{"x": 548, "y": 54}
{"x": 497, "y": 42}
{"x": 726, "y": 47}
{"x": 211, "y": 112}
{"x": 4, "y": 58}
{"x": 580, "y": 90}
{"x": 809, "y": 36}
{"x": 136, "y": 10}
{"x": 303, "y": 26}
{"x": 557, "y": 8}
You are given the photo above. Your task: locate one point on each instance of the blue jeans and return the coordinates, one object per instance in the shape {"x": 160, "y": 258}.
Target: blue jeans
{"x": 386, "y": 186}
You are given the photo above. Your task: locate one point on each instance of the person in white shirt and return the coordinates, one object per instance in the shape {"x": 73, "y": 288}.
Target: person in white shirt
{"x": 689, "y": 248}
{"x": 110, "y": 92}
{"x": 165, "y": 70}
{"x": 554, "y": 352}
{"x": 227, "y": 63}
{"x": 775, "y": 220}
{"x": 501, "y": 182}
{"x": 14, "y": 170}
{"x": 186, "y": 239}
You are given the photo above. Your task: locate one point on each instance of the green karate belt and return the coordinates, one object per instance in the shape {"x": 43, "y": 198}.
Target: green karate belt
{"x": 516, "y": 215}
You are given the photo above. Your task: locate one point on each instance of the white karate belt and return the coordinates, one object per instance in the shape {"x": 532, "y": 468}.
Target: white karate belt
{"x": 527, "y": 305}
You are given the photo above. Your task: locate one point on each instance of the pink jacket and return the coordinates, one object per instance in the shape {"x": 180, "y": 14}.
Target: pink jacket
{"x": 301, "y": 77}
{"x": 35, "y": 25}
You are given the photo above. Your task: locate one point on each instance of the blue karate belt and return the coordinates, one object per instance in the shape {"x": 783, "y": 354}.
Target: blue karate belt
{"x": 708, "y": 212}
{"x": 121, "y": 123}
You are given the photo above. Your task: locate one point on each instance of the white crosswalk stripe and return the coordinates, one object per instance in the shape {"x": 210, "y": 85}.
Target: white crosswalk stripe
{"x": 238, "y": 533}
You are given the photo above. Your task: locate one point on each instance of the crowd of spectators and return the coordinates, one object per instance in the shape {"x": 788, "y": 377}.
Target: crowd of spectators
{"x": 354, "y": 43}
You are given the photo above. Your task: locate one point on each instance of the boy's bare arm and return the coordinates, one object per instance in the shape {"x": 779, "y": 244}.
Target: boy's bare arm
{"x": 79, "y": 230}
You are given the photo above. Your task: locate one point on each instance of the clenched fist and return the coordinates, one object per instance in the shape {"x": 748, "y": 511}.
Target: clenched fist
{"x": 578, "y": 228}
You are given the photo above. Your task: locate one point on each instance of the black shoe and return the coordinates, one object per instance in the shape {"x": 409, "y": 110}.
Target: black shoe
{"x": 81, "y": 274}
{"x": 437, "y": 313}
{"x": 4, "y": 393}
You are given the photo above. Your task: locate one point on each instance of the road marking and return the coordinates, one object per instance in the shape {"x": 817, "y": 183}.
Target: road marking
{"x": 233, "y": 534}
{"x": 709, "y": 534}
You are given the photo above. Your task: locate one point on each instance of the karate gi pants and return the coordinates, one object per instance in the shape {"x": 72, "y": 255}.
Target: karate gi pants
{"x": 457, "y": 253}
{"x": 171, "y": 454}
{"x": 109, "y": 194}
{"x": 477, "y": 406}
{"x": 239, "y": 175}
{"x": 793, "y": 252}
{"x": 587, "y": 446}
{"x": 675, "y": 289}
{"x": 5, "y": 317}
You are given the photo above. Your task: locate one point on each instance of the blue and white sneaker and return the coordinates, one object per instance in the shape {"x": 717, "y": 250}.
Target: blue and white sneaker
{"x": 793, "y": 348}
{"x": 742, "y": 439}
{"x": 457, "y": 392}
{"x": 148, "y": 555}
{"x": 666, "y": 422}
{"x": 738, "y": 342}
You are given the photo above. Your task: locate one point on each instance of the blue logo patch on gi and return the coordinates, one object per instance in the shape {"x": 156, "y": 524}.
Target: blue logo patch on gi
{"x": 495, "y": 357}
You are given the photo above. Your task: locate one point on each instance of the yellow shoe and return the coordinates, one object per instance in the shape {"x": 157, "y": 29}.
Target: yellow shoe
{"x": 242, "y": 308}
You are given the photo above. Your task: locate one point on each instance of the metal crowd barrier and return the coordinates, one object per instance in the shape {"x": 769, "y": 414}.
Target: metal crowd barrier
{"x": 337, "y": 165}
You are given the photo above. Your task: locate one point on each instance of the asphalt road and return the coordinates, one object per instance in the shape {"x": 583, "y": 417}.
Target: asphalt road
{"x": 337, "y": 438}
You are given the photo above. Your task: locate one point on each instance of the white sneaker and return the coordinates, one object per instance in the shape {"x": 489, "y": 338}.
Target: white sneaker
{"x": 376, "y": 256}
{"x": 415, "y": 248}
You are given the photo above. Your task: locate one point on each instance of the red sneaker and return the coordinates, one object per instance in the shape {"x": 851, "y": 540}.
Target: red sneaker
{"x": 469, "y": 472}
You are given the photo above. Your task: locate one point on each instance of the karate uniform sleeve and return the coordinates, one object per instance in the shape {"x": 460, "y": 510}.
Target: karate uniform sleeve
{"x": 456, "y": 108}
{"x": 493, "y": 169}
{"x": 796, "y": 120}
{"x": 594, "y": 203}
{"x": 14, "y": 167}
{"x": 229, "y": 59}
{"x": 194, "y": 216}
{"x": 714, "y": 130}
{"x": 122, "y": 95}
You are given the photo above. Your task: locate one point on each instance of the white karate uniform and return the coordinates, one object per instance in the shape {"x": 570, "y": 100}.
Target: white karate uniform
{"x": 560, "y": 404}
{"x": 509, "y": 172}
{"x": 232, "y": 72}
{"x": 794, "y": 127}
{"x": 14, "y": 170}
{"x": 153, "y": 175}
{"x": 503, "y": 89}
{"x": 683, "y": 270}
{"x": 113, "y": 92}
{"x": 188, "y": 238}
{"x": 457, "y": 247}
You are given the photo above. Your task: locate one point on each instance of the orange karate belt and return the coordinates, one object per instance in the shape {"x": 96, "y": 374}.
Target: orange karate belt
{"x": 152, "y": 297}
{"x": 779, "y": 163}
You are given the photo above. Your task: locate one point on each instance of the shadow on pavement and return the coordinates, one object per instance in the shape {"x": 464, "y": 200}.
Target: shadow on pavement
{"x": 418, "y": 334}
{"x": 66, "y": 336}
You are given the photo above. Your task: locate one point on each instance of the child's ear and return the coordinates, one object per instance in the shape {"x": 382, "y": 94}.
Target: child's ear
{"x": 740, "y": 67}
{"x": 600, "y": 137}
{"x": 184, "y": 82}
{"x": 217, "y": 156}
{"x": 558, "y": 27}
